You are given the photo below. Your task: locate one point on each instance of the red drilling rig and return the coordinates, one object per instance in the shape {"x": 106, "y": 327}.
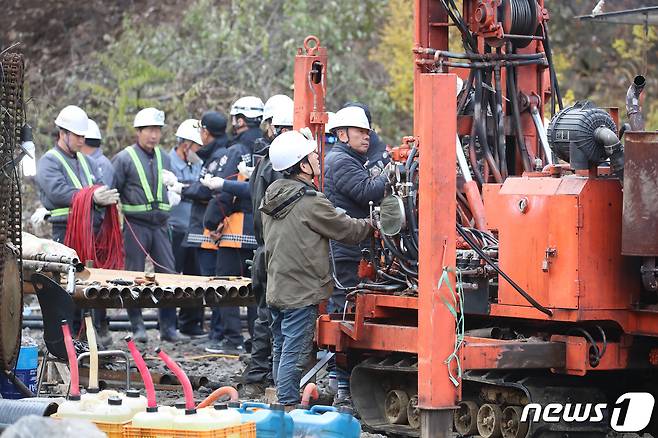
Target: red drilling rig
{"x": 516, "y": 290}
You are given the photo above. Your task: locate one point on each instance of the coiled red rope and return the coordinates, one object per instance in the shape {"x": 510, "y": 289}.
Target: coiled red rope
{"x": 105, "y": 248}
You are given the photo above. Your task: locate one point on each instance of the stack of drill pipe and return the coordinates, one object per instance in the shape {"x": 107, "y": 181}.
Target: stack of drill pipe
{"x": 116, "y": 289}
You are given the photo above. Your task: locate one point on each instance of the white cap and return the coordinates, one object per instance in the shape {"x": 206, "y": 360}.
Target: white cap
{"x": 274, "y": 103}
{"x": 149, "y": 117}
{"x": 289, "y": 149}
{"x": 249, "y": 106}
{"x": 73, "y": 119}
{"x": 190, "y": 130}
{"x": 93, "y": 132}
{"x": 284, "y": 115}
{"x": 352, "y": 117}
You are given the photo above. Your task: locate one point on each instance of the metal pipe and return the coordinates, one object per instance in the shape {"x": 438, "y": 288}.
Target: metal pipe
{"x": 38, "y": 265}
{"x": 542, "y": 134}
{"x": 243, "y": 292}
{"x": 613, "y": 149}
{"x": 477, "y": 56}
{"x": 90, "y": 293}
{"x": 104, "y": 293}
{"x": 633, "y": 108}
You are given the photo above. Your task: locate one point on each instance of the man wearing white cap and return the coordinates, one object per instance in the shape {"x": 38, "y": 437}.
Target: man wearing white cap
{"x": 92, "y": 148}
{"x": 138, "y": 175}
{"x": 64, "y": 170}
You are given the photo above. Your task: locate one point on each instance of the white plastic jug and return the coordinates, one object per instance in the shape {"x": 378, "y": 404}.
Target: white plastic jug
{"x": 72, "y": 408}
{"x": 193, "y": 421}
{"x": 114, "y": 411}
{"x": 154, "y": 418}
{"x": 135, "y": 401}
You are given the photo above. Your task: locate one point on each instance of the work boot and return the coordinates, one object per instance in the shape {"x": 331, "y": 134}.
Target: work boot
{"x": 251, "y": 391}
{"x": 137, "y": 325}
{"x": 343, "y": 399}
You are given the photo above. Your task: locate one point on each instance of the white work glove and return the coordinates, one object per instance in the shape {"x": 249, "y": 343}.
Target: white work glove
{"x": 212, "y": 182}
{"x": 245, "y": 170}
{"x": 168, "y": 178}
{"x": 38, "y": 218}
{"x": 174, "y": 198}
{"x": 177, "y": 187}
{"x": 105, "y": 196}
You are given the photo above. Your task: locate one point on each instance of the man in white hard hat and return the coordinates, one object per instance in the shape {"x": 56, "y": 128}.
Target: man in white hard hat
{"x": 138, "y": 175}
{"x": 64, "y": 170}
{"x": 298, "y": 223}
{"x": 186, "y": 167}
{"x": 246, "y": 115}
{"x": 349, "y": 186}
{"x": 92, "y": 148}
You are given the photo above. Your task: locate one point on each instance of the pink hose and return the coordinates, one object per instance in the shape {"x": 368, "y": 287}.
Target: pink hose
{"x": 182, "y": 378}
{"x": 73, "y": 360}
{"x": 144, "y": 372}
{"x": 310, "y": 392}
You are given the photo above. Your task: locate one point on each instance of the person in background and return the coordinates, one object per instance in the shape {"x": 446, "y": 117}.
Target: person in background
{"x": 186, "y": 167}
{"x": 145, "y": 202}
{"x": 92, "y": 148}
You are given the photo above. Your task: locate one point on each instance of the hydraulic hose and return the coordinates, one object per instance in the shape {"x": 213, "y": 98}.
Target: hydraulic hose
{"x": 502, "y": 147}
{"x": 491, "y": 263}
{"x": 182, "y": 378}
{"x": 73, "y": 361}
{"x": 514, "y": 100}
{"x": 93, "y": 353}
{"x": 310, "y": 392}
{"x": 143, "y": 371}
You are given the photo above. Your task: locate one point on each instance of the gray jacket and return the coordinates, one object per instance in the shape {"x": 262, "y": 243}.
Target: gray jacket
{"x": 56, "y": 188}
{"x": 127, "y": 182}
{"x": 298, "y": 222}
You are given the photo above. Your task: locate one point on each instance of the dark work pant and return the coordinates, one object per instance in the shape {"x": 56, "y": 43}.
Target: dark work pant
{"x": 347, "y": 273}
{"x": 155, "y": 241}
{"x": 260, "y": 366}
{"x": 189, "y": 318}
{"x": 225, "y": 321}
{"x": 207, "y": 261}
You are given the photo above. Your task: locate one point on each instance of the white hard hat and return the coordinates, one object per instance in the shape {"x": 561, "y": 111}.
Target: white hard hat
{"x": 351, "y": 116}
{"x": 249, "y": 106}
{"x": 149, "y": 117}
{"x": 274, "y": 103}
{"x": 73, "y": 119}
{"x": 190, "y": 130}
{"x": 289, "y": 149}
{"x": 284, "y": 114}
{"x": 330, "y": 122}
{"x": 93, "y": 133}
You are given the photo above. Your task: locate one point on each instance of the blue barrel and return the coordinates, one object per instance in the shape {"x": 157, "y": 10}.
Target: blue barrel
{"x": 325, "y": 422}
{"x": 26, "y": 372}
{"x": 271, "y": 420}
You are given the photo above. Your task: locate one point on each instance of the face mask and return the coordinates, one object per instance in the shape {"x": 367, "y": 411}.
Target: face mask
{"x": 193, "y": 158}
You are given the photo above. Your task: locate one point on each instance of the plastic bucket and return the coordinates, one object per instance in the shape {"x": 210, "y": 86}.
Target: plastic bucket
{"x": 25, "y": 370}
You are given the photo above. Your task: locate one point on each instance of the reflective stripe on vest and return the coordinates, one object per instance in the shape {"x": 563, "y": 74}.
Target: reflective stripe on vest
{"x": 73, "y": 177}
{"x": 151, "y": 202}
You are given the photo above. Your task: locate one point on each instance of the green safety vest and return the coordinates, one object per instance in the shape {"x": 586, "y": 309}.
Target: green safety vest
{"x": 151, "y": 203}
{"x": 73, "y": 177}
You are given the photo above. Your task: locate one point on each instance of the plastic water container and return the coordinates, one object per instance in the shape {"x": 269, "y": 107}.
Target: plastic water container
{"x": 325, "y": 422}
{"x": 135, "y": 401}
{"x": 26, "y": 372}
{"x": 223, "y": 417}
{"x": 271, "y": 421}
{"x": 72, "y": 408}
{"x": 114, "y": 411}
{"x": 154, "y": 418}
{"x": 193, "y": 421}
{"x": 93, "y": 398}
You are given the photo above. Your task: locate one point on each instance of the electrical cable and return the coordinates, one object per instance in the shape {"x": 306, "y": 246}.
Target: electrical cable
{"x": 104, "y": 248}
{"x": 487, "y": 259}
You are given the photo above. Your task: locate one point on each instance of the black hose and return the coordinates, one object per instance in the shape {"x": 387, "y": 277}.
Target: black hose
{"x": 382, "y": 287}
{"x": 401, "y": 258}
{"x": 391, "y": 277}
{"x": 502, "y": 147}
{"x": 466, "y": 91}
{"x": 551, "y": 66}
{"x": 487, "y": 259}
{"x": 480, "y": 114}
{"x": 411, "y": 205}
{"x": 514, "y": 100}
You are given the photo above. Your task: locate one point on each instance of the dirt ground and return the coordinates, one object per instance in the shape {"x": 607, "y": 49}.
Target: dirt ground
{"x": 218, "y": 370}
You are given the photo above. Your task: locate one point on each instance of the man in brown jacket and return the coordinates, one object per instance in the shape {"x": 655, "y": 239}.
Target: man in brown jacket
{"x": 298, "y": 223}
